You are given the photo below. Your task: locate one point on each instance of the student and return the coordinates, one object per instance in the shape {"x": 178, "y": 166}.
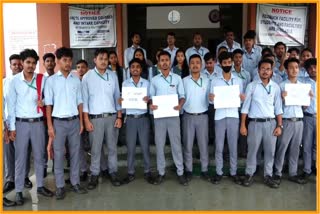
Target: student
{"x": 197, "y": 48}
{"x": 137, "y": 124}
{"x": 139, "y": 53}
{"x": 82, "y": 67}
{"x": 155, "y": 69}
{"x": 251, "y": 56}
{"x": 237, "y": 68}
{"x": 168, "y": 83}
{"x": 129, "y": 52}
{"x": 49, "y": 62}
{"x": 102, "y": 115}
{"x": 292, "y": 129}
{"x": 229, "y": 42}
{"x": 276, "y": 77}
{"x": 294, "y": 53}
{"x": 115, "y": 67}
{"x": 262, "y": 104}
{"x": 280, "y": 57}
{"x": 171, "y": 49}
{"x": 180, "y": 64}
{"x": 63, "y": 101}
{"x": 305, "y": 55}
{"x": 226, "y": 120}
{"x": 26, "y": 123}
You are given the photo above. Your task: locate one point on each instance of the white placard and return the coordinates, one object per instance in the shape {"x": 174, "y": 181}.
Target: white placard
{"x": 297, "y": 94}
{"x": 133, "y": 98}
{"x": 281, "y": 23}
{"x": 226, "y": 96}
{"x": 166, "y": 104}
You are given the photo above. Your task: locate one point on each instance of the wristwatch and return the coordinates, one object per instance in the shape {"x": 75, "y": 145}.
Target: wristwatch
{"x": 281, "y": 126}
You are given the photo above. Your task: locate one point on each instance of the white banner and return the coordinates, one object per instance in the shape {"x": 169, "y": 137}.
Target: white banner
{"x": 92, "y": 28}
{"x": 133, "y": 98}
{"x": 281, "y": 23}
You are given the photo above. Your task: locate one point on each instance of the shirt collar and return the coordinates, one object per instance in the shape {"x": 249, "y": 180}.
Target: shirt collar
{"x": 59, "y": 73}
{"x": 135, "y": 47}
{"x": 22, "y": 76}
{"x": 170, "y": 73}
{"x": 140, "y": 80}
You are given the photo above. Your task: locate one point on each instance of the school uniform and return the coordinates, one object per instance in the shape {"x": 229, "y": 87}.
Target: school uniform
{"x": 235, "y": 45}
{"x": 128, "y": 55}
{"x": 201, "y": 52}
{"x": 172, "y": 52}
{"x": 251, "y": 60}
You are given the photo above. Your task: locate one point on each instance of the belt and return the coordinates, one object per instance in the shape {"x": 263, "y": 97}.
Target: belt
{"x": 206, "y": 112}
{"x": 104, "y": 115}
{"x": 136, "y": 116}
{"x": 261, "y": 119}
{"x": 294, "y": 119}
{"x": 29, "y": 120}
{"x": 309, "y": 115}
{"x": 66, "y": 118}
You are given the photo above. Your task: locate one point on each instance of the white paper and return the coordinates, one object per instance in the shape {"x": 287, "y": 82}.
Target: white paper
{"x": 226, "y": 96}
{"x": 297, "y": 94}
{"x": 166, "y": 104}
{"x": 133, "y": 98}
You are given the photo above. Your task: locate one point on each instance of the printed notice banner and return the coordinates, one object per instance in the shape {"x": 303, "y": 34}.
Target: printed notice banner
{"x": 281, "y": 23}
{"x": 92, "y": 28}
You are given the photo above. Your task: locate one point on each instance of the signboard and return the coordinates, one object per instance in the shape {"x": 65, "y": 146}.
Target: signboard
{"x": 281, "y": 23}
{"x": 92, "y": 28}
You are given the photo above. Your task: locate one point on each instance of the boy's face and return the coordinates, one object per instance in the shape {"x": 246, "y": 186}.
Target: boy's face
{"x": 164, "y": 62}
{"x": 136, "y": 39}
{"x": 279, "y": 50}
{"x": 265, "y": 71}
{"x": 29, "y": 65}
{"x": 101, "y": 61}
{"x": 226, "y": 62}
{"x": 294, "y": 54}
{"x": 210, "y": 65}
{"x": 306, "y": 55}
{"x": 171, "y": 40}
{"x": 229, "y": 37}
{"x": 135, "y": 69}
{"x": 248, "y": 43}
{"x": 195, "y": 65}
{"x": 237, "y": 59}
{"x": 16, "y": 66}
{"x": 312, "y": 71}
{"x": 49, "y": 64}
{"x": 82, "y": 69}
{"x": 293, "y": 70}
{"x": 65, "y": 63}
{"x": 197, "y": 40}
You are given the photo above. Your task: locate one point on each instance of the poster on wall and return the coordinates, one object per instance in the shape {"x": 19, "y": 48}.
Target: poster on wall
{"x": 281, "y": 23}
{"x": 92, "y": 28}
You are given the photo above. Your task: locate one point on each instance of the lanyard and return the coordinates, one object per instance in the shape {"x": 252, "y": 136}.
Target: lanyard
{"x": 196, "y": 82}
{"x": 199, "y": 52}
{"x": 228, "y": 83}
{"x": 31, "y": 84}
{"x": 101, "y": 75}
{"x": 136, "y": 85}
{"x": 240, "y": 75}
{"x": 167, "y": 80}
{"x": 268, "y": 91}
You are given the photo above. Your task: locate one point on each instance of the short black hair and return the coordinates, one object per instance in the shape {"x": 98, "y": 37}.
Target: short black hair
{"x": 164, "y": 53}
{"x": 290, "y": 50}
{"x": 306, "y": 49}
{"x": 266, "y": 50}
{"x": 101, "y": 51}
{"x": 290, "y": 60}
{"x": 29, "y": 53}
{"x": 250, "y": 34}
{"x": 279, "y": 44}
{"x": 209, "y": 56}
{"x": 171, "y": 34}
{"x": 133, "y": 34}
{"x": 227, "y": 30}
{"x": 196, "y": 33}
{"x": 195, "y": 56}
{"x": 222, "y": 47}
{"x": 49, "y": 55}
{"x": 309, "y": 62}
{"x": 265, "y": 61}
{"x": 14, "y": 56}
{"x": 137, "y": 61}
{"x": 64, "y": 52}
{"x": 268, "y": 55}
{"x": 237, "y": 51}
{"x": 82, "y": 61}
{"x": 224, "y": 55}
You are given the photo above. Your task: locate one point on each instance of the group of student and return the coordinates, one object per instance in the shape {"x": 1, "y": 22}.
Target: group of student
{"x": 60, "y": 111}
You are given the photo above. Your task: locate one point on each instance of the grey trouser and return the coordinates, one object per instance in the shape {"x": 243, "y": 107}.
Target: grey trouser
{"x": 195, "y": 125}
{"x": 172, "y": 126}
{"x": 291, "y": 137}
{"x": 104, "y": 128}
{"x": 138, "y": 127}
{"x": 26, "y": 132}
{"x": 229, "y": 126}
{"x": 261, "y": 132}
{"x": 66, "y": 130}
{"x": 309, "y": 142}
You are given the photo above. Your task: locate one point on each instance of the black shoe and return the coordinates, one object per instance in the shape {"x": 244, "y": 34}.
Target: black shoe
{"x": 305, "y": 176}
{"x": 297, "y": 179}
{"x": 60, "y": 193}
{"x": 115, "y": 180}
{"x": 188, "y": 175}
{"x": 44, "y": 191}
{"x": 236, "y": 179}
{"x": 27, "y": 183}
{"x": 205, "y": 176}
{"x": 148, "y": 177}
{"x": 105, "y": 174}
{"x": 78, "y": 189}
{"x": 8, "y": 186}
{"x": 67, "y": 181}
{"x": 84, "y": 177}
{"x": 276, "y": 179}
{"x": 93, "y": 182}
{"x": 8, "y": 203}
{"x": 19, "y": 199}
{"x": 247, "y": 181}
{"x": 129, "y": 178}
{"x": 158, "y": 180}
{"x": 269, "y": 182}
{"x": 45, "y": 173}
{"x": 216, "y": 179}
{"x": 182, "y": 180}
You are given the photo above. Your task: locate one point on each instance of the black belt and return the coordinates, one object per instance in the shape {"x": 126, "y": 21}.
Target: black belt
{"x": 294, "y": 119}
{"x": 197, "y": 113}
{"x": 29, "y": 120}
{"x": 136, "y": 116}
{"x": 261, "y": 119}
{"x": 66, "y": 118}
{"x": 104, "y": 115}
{"x": 309, "y": 115}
